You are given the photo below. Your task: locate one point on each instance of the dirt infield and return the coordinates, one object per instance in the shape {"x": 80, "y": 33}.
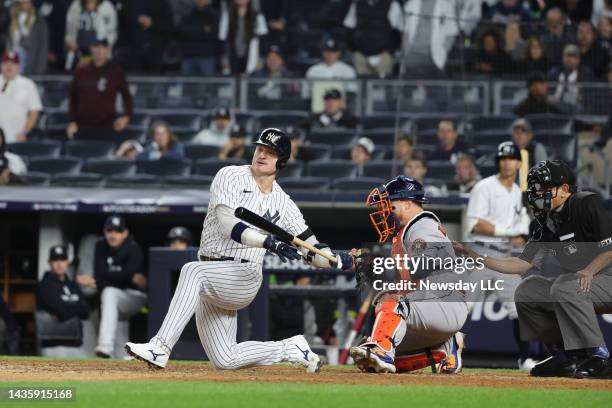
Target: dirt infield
{"x": 99, "y": 370}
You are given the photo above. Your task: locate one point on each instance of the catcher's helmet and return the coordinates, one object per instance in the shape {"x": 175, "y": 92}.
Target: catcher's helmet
{"x": 542, "y": 178}
{"x": 400, "y": 188}
{"x": 278, "y": 141}
{"x": 181, "y": 234}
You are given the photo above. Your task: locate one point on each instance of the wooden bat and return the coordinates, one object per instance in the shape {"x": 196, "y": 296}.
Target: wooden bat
{"x": 363, "y": 311}
{"x": 268, "y": 226}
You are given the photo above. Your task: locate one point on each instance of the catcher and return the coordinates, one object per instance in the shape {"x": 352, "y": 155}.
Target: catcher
{"x": 420, "y": 328}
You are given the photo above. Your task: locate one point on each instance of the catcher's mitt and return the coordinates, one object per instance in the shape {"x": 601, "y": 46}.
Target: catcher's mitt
{"x": 364, "y": 265}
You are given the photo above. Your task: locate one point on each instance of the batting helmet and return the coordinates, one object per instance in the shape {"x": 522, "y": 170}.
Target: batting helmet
{"x": 181, "y": 234}
{"x": 507, "y": 149}
{"x": 542, "y": 178}
{"x": 278, "y": 141}
{"x": 400, "y": 188}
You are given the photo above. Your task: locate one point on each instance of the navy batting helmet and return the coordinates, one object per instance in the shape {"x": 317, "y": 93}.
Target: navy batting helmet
{"x": 507, "y": 149}
{"x": 278, "y": 141}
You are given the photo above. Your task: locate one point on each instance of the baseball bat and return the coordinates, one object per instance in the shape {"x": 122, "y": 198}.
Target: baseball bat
{"x": 268, "y": 226}
{"x": 363, "y": 311}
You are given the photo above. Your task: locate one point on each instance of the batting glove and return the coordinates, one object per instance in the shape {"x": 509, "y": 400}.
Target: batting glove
{"x": 346, "y": 261}
{"x": 283, "y": 250}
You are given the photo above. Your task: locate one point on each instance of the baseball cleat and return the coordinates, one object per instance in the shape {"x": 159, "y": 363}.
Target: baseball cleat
{"x": 453, "y": 363}
{"x": 526, "y": 364}
{"x": 554, "y": 366}
{"x": 102, "y": 352}
{"x": 149, "y": 353}
{"x": 371, "y": 358}
{"x": 299, "y": 352}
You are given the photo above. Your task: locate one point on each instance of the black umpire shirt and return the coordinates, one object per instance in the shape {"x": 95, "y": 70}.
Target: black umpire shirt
{"x": 63, "y": 299}
{"x": 575, "y": 235}
{"x": 116, "y": 266}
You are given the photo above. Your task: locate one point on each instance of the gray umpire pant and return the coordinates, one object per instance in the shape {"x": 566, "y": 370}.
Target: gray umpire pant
{"x": 556, "y": 311}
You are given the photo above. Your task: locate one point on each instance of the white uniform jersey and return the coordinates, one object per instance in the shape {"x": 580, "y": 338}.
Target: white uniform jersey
{"x": 492, "y": 202}
{"x": 234, "y": 186}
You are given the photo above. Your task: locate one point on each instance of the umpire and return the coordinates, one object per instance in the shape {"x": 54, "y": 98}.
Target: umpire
{"x": 575, "y": 231}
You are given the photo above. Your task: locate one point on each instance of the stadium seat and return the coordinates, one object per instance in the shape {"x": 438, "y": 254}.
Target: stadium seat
{"x": 281, "y": 120}
{"x": 188, "y": 182}
{"x": 210, "y": 167}
{"x": 182, "y": 102}
{"x": 382, "y": 169}
{"x": 89, "y": 180}
{"x": 380, "y": 137}
{"x": 469, "y": 108}
{"x": 304, "y": 183}
{"x": 245, "y": 119}
{"x": 442, "y": 170}
{"x": 185, "y": 136}
{"x": 430, "y": 122}
{"x": 110, "y": 167}
{"x": 550, "y": 123}
{"x": 55, "y": 165}
{"x": 331, "y": 169}
{"x": 487, "y": 142}
{"x": 88, "y": 149}
{"x": 35, "y": 178}
{"x": 334, "y": 137}
{"x": 198, "y": 151}
{"x": 344, "y": 152}
{"x": 180, "y": 121}
{"x": 385, "y": 121}
{"x": 144, "y": 181}
{"x": 360, "y": 184}
{"x": 34, "y": 148}
{"x": 57, "y": 120}
{"x": 491, "y": 123}
{"x": 562, "y": 145}
{"x": 293, "y": 169}
{"x": 314, "y": 151}
{"x": 139, "y": 121}
{"x": 164, "y": 167}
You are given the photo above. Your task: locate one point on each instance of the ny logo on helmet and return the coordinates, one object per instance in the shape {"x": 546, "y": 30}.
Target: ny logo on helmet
{"x": 272, "y": 137}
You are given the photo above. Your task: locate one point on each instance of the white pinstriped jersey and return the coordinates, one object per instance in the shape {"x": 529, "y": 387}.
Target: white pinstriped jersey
{"x": 234, "y": 186}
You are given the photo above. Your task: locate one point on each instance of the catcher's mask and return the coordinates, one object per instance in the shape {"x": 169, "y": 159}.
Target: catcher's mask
{"x": 400, "y": 188}
{"x": 541, "y": 180}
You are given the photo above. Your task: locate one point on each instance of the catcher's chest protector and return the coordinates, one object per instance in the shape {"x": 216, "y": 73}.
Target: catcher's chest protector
{"x": 397, "y": 248}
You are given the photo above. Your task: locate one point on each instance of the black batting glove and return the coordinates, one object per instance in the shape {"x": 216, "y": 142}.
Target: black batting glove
{"x": 283, "y": 250}
{"x": 347, "y": 260}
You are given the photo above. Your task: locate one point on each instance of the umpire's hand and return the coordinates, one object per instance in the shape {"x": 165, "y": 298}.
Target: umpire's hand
{"x": 283, "y": 250}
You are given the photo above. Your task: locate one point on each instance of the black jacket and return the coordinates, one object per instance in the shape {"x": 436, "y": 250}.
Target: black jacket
{"x": 532, "y": 105}
{"x": 198, "y": 33}
{"x": 342, "y": 120}
{"x": 116, "y": 267}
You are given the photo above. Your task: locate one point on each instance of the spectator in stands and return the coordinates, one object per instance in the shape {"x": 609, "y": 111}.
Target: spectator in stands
{"x": 361, "y": 153}
{"x": 449, "y": 145}
{"x": 331, "y": 67}
{"x": 145, "y": 31}
{"x": 235, "y": 148}
{"x": 601, "y": 8}
{"x": 593, "y": 53}
{"x": 535, "y": 59}
{"x": 61, "y": 297}
{"x": 180, "y": 8}
{"x": 334, "y": 115}
{"x": 537, "y": 99}
{"x": 242, "y": 25}
{"x": 466, "y": 175}
{"x": 416, "y": 166}
{"x": 129, "y": 150}
{"x": 522, "y": 136}
{"x": 29, "y": 37}
{"x": 218, "y": 131}
{"x": 15, "y": 162}
{"x": 276, "y": 13}
{"x": 604, "y": 27}
{"x": 375, "y": 27}
{"x": 179, "y": 238}
{"x": 164, "y": 144}
{"x": 491, "y": 57}
{"x": 403, "y": 148}
{"x": 87, "y": 21}
{"x": 20, "y": 104}
{"x": 507, "y": 11}
{"x": 576, "y": 10}
{"x": 93, "y": 96}
{"x": 5, "y": 171}
{"x": 568, "y": 76}
{"x": 557, "y": 35}
{"x": 198, "y": 40}
{"x": 118, "y": 275}
{"x": 274, "y": 64}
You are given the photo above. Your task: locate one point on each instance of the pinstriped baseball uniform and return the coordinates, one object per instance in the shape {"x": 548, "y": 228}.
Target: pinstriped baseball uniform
{"x": 216, "y": 290}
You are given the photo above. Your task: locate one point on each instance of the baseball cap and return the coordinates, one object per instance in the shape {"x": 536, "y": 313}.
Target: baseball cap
{"x": 522, "y": 123}
{"x": 179, "y": 233}
{"x": 100, "y": 41}
{"x": 332, "y": 94}
{"x": 367, "y": 144}
{"x": 115, "y": 223}
{"x": 237, "y": 130}
{"x": 560, "y": 173}
{"x": 331, "y": 45}
{"x": 535, "y": 77}
{"x": 10, "y": 56}
{"x": 571, "y": 49}
{"x": 58, "y": 253}
{"x": 275, "y": 48}
{"x": 294, "y": 132}
{"x": 221, "y": 112}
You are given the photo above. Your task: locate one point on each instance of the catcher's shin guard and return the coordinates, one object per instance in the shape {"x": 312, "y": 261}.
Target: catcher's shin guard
{"x": 389, "y": 327}
{"x": 417, "y": 361}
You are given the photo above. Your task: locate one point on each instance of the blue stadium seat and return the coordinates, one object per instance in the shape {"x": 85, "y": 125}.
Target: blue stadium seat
{"x": 110, "y": 167}
{"x": 385, "y": 121}
{"x": 34, "y": 148}
{"x": 550, "y": 123}
{"x": 188, "y": 182}
{"x": 196, "y": 151}
{"x": 57, "y": 120}
{"x": 360, "y": 184}
{"x": 315, "y": 151}
{"x": 304, "y": 183}
{"x": 332, "y": 137}
{"x": 293, "y": 169}
{"x": 380, "y": 137}
{"x": 488, "y": 141}
{"x": 89, "y": 149}
{"x": 470, "y": 108}
{"x": 491, "y": 123}
{"x": 34, "y": 178}
{"x": 180, "y": 121}
{"x": 182, "y": 102}
{"x": 139, "y": 121}
{"x": 88, "y": 180}
{"x": 281, "y": 120}
{"x": 144, "y": 181}
{"x": 382, "y": 169}
{"x": 55, "y": 165}
{"x": 331, "y": 169}
{"x": 210, "y": 167}
{"x": 441, "y": 170}
{"x": 164, "y": 167}
{"x": 344, "y": 152}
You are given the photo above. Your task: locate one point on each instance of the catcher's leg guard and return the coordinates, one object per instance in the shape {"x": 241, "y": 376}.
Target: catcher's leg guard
{"x": 417, "y": 361}
{"x": 389, "y": 327}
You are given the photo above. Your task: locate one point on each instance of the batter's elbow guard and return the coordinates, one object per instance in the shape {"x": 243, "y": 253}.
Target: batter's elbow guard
{"x": 317, "y": 260}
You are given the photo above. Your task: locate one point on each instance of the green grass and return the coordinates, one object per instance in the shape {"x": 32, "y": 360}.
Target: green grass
{"x": 148, "y": 394}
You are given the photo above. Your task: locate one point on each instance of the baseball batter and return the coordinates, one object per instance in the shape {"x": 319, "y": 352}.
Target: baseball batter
{"x": 496, "y": 222}
{"x": 420, "y": 328}
{"x": 228, "y": 274}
